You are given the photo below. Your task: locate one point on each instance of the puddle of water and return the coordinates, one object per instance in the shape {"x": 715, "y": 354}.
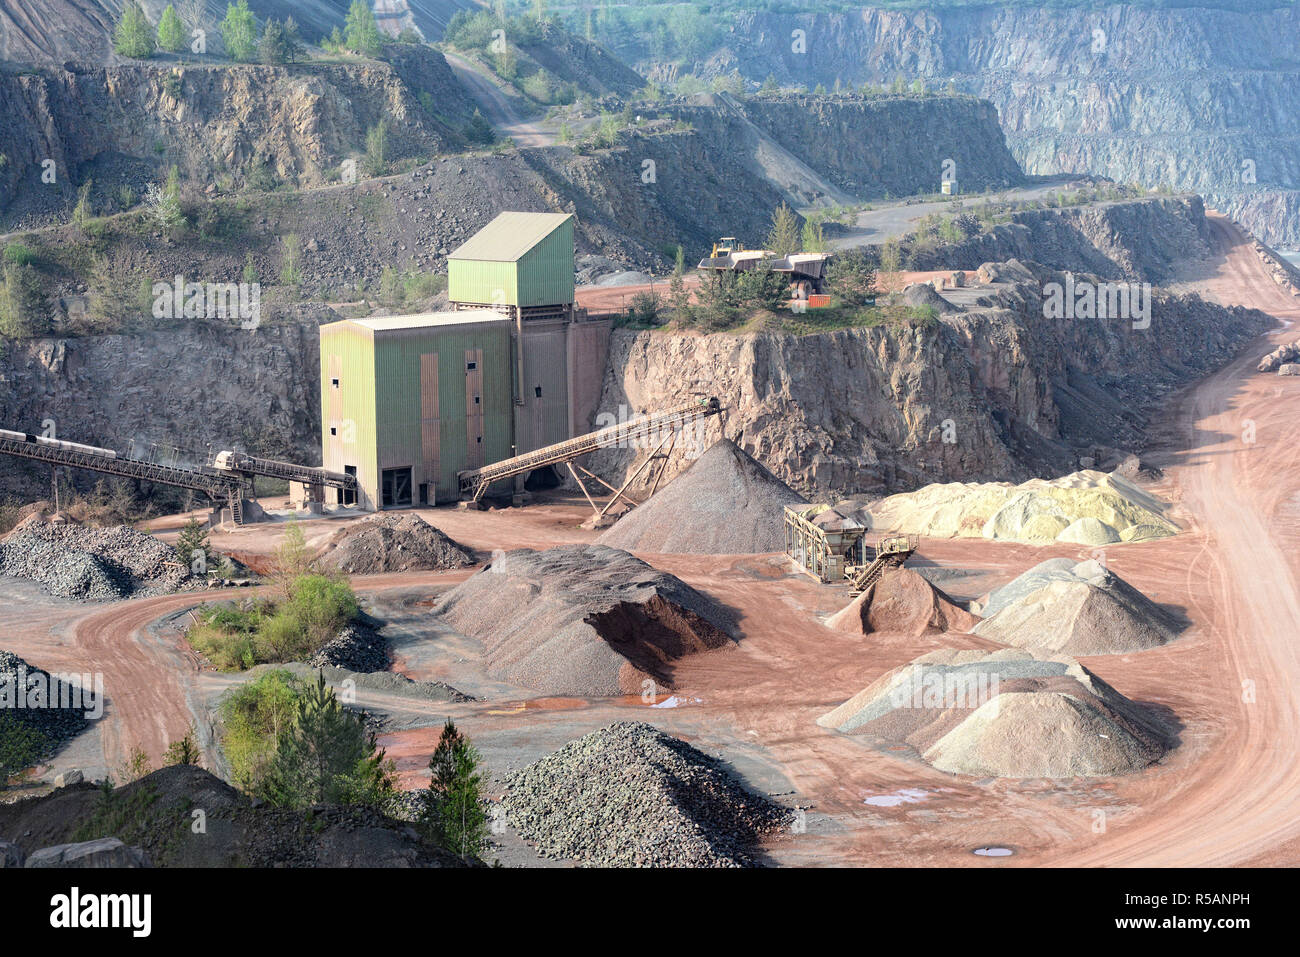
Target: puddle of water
{"x": 993, "y": 852}
{"x": 901, "y": 796}
{"x": 541, "y": 704}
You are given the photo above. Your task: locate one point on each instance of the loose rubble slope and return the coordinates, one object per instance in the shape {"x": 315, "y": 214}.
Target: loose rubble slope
{"x": 19, "y": 682}
{"x": 1006, "y": 714}
{"x": 582, "y": 620}
{"x": 725, "y": 503}
{"x": 1077, "y": 608}
{"x": 631, "y": 796}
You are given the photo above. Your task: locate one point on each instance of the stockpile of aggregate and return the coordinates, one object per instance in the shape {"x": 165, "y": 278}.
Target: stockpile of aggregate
{"x": 92, "y": 564}
{"x": 1078, "y": 608}
{"x": 357, "y": 647}
{"x": 19, "y": 682}
{"x": 725, "y": 503}
{"x": 583, "y": 620}
{"x": 631, "y": 796}
{"x": 902, "y": 602}
{"x": 1008, "y": 713}
{"x": 390, "y": 542}
{"x": 1083, "y": 508}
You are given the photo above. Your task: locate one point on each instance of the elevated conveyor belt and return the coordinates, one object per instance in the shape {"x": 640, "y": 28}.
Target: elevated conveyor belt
{"x": 306, "y": 474}
{"x": 475, "y": 482}
{"x": 217, "y": 485}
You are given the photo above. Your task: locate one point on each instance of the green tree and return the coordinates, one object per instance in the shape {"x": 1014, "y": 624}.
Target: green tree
{"x": 184, "y": 750}
{"x": 21, "y": 747}
{"x": 164, "y": 203}
{"x": 851, "y": 278}
{"x": 479, "y": 131}
{"x": 292, "y": 560}
{"x": 291, "y": 260}
{"x": 813, "y": 240}
{"x": 376, "y": 161}
{"x": 273, "y": 48}
{"x": 453, "y": 810}
{"x": 239, "y": 31}
{"x": 327, "y": 756}
{"x": 23, "y": 312}
{"x": 171, "y": 32}
{"x": 253, "y": 716}
{"x": 783, "y": 239}
{"x": 891, "y": 256}
{"x": 133, "y": 36}
{"x": 360, "y": 30}
{"x": 192, "y": 545}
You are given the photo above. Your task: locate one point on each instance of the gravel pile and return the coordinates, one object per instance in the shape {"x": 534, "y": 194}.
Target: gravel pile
{"x": 392, "y": 543}
{"x": 583, "y": 620}
{"x": 358, "y": 647}
{"x": 725, "y": 503}
{"x": 92, "y": 564}
{"x": 631, "y": 796}
{"x": 1079, "y": 608}
{"x": 902, "y": 602}
{"x": 57, "y": 724}
{"x": 1008, "y": 714}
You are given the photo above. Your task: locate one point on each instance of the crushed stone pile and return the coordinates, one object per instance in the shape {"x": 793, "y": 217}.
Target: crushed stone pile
{"x": 902, "y": 602}
{"x": 1078, "y": 608}
{"x": 725, "y": 503}
{"x": 390, "y": 542}
{"x": 92, "y": 564}
{"x": 631, "y": 796}
{"x": 357, "y": 647}
{"x": 583, "y": 620}
{"x": 1083, "y": 508}
{"x": 58, "y": 713}
{"x": 1008, "y": 714}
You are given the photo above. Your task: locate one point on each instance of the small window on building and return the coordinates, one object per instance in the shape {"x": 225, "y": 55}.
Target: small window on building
{"x": 538, "y": 389}
{"x": 333, "y": 431}
{"x": 334, "y": 382}
{"x": 477, "y": 400}
{"x": 479, "y": 440}
{"x": 471, "y": 366}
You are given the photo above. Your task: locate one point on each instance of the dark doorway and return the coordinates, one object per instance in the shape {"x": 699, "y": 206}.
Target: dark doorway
{"x": 424, "y": 493}
{"x": 395, "y": 487}
{"x": 348, "y": 496}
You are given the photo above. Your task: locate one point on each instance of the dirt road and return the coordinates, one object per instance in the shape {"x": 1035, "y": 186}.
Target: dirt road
{"x": 496, "y": 107}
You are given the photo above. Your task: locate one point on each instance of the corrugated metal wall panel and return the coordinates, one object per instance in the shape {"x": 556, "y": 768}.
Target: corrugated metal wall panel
{"x": 400, "y": 373}
{"x": 546, "y": 271}
{"x": 545, "y": 418}
{"x": 470, "y": 280}
{"x": 347, "y": 354}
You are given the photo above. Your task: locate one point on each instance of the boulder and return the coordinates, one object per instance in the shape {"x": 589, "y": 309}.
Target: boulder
{"x": 105, "y": 852}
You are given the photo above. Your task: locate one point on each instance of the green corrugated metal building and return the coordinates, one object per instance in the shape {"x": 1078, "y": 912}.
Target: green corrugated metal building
{"x": 522, "y": 260}
{"x": 409, "y": 401}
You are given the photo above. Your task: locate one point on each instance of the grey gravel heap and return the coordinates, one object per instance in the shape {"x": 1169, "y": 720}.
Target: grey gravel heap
{"x": 392, "y": 543}
{"x": 358, "y": 647}
{"x": 57, "y": 724}
{"x": 92, "y": 564}
{"x": 631, "y": 796}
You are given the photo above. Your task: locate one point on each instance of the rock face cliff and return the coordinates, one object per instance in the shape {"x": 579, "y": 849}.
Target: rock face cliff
{"x": 991, "y": 390}
{"x": 127, "y": 124}
{"x": 188, "y": 385}
{"x": 866, "y": 146}
{"x": 1199, "y": 99}
{"x": 1098, "y": 239}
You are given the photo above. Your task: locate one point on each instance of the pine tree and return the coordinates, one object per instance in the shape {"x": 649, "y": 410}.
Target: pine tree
{"x": 133, "y": 35}
{"x": 784, "y": 237}
{"x": 454, "y": 813}
{"x": 361, "y": 31}
{"x": 239, "y": 31}
{"x": 185, "y": 750}
{"x": 171, "y": 32}
{"x": 274, "y": 45}
{"x": 192, "y": 543}
{"x": 327, "y": 756}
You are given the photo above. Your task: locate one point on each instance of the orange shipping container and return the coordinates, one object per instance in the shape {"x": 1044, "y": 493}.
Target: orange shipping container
{"x": 816, "y": 301}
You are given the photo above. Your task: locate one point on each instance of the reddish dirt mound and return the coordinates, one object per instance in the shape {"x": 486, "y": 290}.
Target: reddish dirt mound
{"x": 902, "y": 602}
{"x": 583, "y": 620}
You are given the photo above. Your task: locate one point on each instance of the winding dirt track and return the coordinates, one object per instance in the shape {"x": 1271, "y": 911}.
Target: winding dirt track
{"x": 1230, "y": 798}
